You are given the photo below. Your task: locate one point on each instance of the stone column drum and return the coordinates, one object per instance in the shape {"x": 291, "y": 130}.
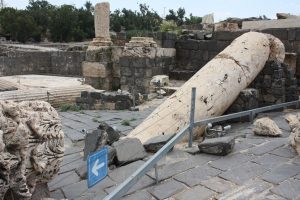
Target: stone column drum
{"x": 102, "y": 12}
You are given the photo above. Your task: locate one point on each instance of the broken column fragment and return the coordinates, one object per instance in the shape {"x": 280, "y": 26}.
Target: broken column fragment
{"x": 217, "y": 84}
{"x": 31, "y": 146}
{"x": 266, "y": 127}
{"x": 294, "y": 138}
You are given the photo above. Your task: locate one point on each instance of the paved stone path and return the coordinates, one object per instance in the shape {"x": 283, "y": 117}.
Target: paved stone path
{"x": 258, "y": 168}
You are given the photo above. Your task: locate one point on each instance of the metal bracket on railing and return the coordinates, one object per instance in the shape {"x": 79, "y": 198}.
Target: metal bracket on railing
{"x": 192, "y": 116}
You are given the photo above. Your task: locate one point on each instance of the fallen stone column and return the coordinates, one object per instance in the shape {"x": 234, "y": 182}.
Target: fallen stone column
{"x": 218, "y": 84}
{"x": 31, "y": 147}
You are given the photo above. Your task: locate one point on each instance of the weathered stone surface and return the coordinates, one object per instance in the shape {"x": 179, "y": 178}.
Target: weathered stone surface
{"x": 266, "y": 24}
{"x": 94, "y": 141}
{"x": 218, "y": 184}
{"x": 230, "y": 161}
{"x": 166, "y": 189}
{"x": 270, "y": 161}
{"x": 139, "y": 195}
{"x": 31, "y": 146}
{"x": 268, "y": 146}
{"x": 129, "y": 150}
{"x": 95, "y": 69}
{"x": 246, "y": 191}
{"x": 113, "y": 135}
{"x": 289, "y": 189}
{"x": 281, "y": 173}
{"x": 197, "y": 193}
{"x": 196, "y": 175}
{"x": 63, "y": 180}
{"x": 243, "y": 173}
{"x": 120, "y": 174}
{"x": 266, "y": 127}
{"x": 75, "y": 190}
{"x": 217, "y": 146}
{"x": 102, "y": 11}
{"x": 294, "y": 138}
{"x": 154, "y": 144}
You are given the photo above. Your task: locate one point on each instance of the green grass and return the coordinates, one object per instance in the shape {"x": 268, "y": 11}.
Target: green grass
{"x": 69, "y": 107}
{"x": 125, "y": 122}
{"x": 132, "y": 119}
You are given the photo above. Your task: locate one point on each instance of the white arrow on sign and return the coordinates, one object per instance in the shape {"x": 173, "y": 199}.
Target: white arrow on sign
{"x": 96, "y": 167}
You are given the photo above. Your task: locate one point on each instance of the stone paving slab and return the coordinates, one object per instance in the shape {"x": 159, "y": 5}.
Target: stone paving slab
{"x": 270, "y": 161}
{"x": 218, "y": 185}
{"x": 246, "y": 191}
{"x": 166, "y": 189}
{"x": 57, "y": 194}
{"x": 120, "y": 174}
{"x": 195, "y": 176}
{"x": 170, "y": 170}
{"x": 268, "y": 146}
{"x": 288, "y": 189}
{"x": 75, "y": 190}
{"x": 197, "y": 193}
{"x": 139, "y": 195}
{"x": 243, "y": 173}
{"x": 72, "y": 166}
{"x": 281, "y": 173}
{"x": 144, "y": 182}
{"x": 71, "y": 158}
{"x": 286, "y": 151}
{"x": 230, "y": 161}
{"x": 63, "y": 180}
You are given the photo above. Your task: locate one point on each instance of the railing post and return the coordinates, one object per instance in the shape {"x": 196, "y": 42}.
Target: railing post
{"x": 156, "y": 173}
{"x": 192, "y": 116}
{"x": 252, "y": 115}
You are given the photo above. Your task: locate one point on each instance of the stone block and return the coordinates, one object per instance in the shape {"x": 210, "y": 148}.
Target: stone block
{"x": 243, "y": 173}
{"x": 129, "y": 150}
{"x": 124, "y": 61}
{"x": 217, "y": 146}
{"x": 75, "y": 190}
{"x": 98, "y": 54}
{"x": 154, "y": 144}
{"x": 122, "y": 173}
{"x": 288, "y": 189}
{"x": 166, "y": 189}
{"x": 94, "y": 69}
{"x": 197, "y": 193}
{"x": 203, "y": 44}
{"x": 298, "y": 34}
{"x": 280, "y": 33}
{"x": 292, "y": 34}
{"x": 246, "y": 191}
{"x": 196, "y": 175}
{"x": 265, "y": 24}
{"x": 218, "y": 184}
{"x": 63, "y": 180}
{"x": 281, "y": 173}
{"x": 268, "y": 146}
{"x": 230, "y": 161}
{"x": 139, "y": 195}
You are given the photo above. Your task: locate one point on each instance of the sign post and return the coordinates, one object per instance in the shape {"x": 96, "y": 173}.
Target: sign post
{"x": 97, "y": 166}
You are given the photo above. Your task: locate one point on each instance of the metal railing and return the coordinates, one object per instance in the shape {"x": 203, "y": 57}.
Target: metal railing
{"x": 122, "y": 189}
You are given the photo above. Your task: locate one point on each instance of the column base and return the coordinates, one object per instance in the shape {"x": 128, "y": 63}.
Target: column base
{"x": 101, "y": 42}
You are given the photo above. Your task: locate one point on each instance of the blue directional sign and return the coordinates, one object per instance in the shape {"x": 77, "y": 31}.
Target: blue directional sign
{"x": 97, "y": 166}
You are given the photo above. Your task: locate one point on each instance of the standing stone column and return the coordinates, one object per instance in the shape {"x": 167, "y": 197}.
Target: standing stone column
{"x": 102, "y": 12}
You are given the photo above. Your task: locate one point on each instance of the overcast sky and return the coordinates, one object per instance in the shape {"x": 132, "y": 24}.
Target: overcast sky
{"x": 221, "y": 8}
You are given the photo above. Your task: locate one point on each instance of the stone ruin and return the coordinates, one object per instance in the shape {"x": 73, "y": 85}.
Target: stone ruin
{"x": 31, "y": 147}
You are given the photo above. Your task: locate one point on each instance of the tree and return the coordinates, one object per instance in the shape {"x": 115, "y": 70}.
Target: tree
{"x": 40, "y": 11}
{"x": 177, "y": 17}
{"x": 193, "y": 20}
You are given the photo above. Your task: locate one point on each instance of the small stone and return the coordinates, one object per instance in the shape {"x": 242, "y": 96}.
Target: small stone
{"x": 217, "y": 146}
{"x": 93, "y": 141}
{"x": 129, "y": 150}
{"x": 266, "y": 127}
{"x": 154, "y": 144}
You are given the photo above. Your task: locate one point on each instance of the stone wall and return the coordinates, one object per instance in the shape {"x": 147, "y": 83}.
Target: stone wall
{"x": 140, "y": 61}
{"x": 17, "y": 62}
{"x": 191, "y": 55}
{"x": 275, "y": 84}
{"x": 101, "y": 68}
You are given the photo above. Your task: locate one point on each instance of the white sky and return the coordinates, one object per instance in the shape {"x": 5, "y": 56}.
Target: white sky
{"x": 221, "y": 8}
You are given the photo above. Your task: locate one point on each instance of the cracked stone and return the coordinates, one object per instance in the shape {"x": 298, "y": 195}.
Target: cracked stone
{"x": 217, "y": 146}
